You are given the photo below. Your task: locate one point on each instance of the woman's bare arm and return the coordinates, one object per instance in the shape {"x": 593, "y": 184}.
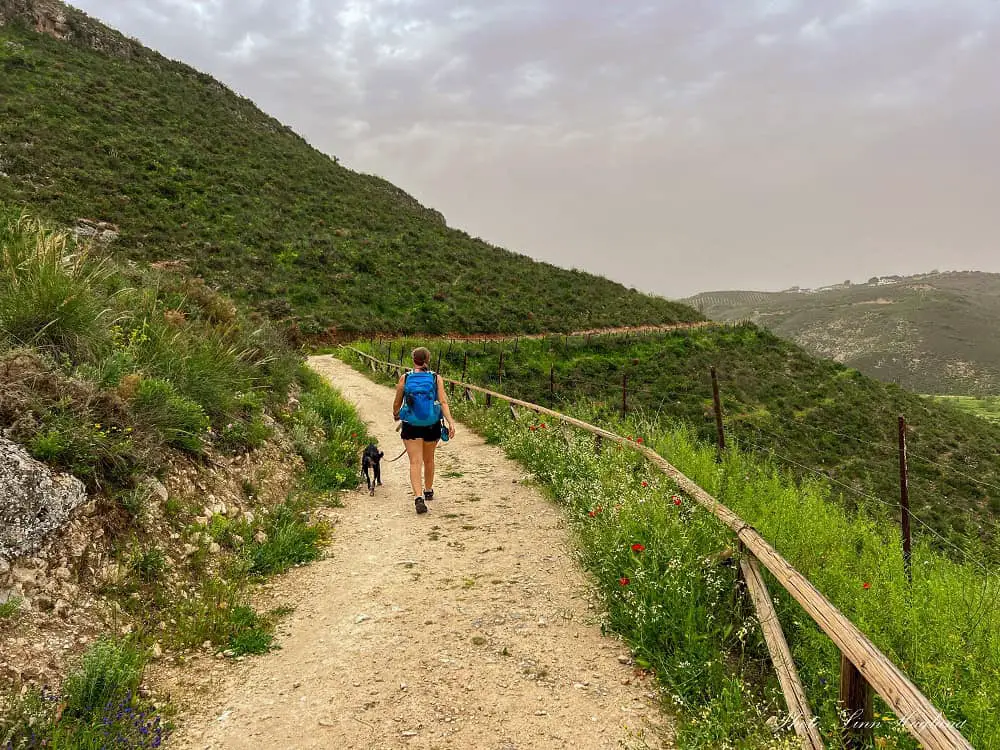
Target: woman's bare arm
{"x": 445, "y": 408}
{"x": 397, "y": 402}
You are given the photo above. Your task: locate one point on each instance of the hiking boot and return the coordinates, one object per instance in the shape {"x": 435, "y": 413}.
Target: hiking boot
{"x": 428, "y": 494}
{"x": 421, "y": 505}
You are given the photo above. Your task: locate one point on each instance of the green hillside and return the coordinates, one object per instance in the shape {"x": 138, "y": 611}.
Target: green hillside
{"x": 95, "y": 126}
{"x": 933, "y": 333}
{"x": 807, "y": 414}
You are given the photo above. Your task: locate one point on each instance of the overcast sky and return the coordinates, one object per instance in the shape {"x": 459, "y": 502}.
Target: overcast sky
{"x": 673, "y": 145}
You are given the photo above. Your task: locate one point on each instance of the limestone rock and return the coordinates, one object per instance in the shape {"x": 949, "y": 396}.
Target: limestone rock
{"x": 36, "y": 501}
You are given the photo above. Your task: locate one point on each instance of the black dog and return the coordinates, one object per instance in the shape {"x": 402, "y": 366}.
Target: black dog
{"x": 370, "y": 461}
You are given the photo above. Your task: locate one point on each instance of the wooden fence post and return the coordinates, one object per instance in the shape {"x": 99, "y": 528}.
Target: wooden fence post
{"x": 597, "y": 445}
{"x": 720, "y": 433}
{"x": 855, "y": 705}
{"x": 624, "y": 394}
{"x": 904, "y": 501}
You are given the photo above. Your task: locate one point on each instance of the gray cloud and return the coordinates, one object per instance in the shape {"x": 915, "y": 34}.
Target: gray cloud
{"x": 675, "y": 146}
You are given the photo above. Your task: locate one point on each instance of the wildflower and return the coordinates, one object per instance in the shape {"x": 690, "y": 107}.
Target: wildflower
{"x": 645, "y": 483}
{"x": 542, "y": 425}
{"x": 637, "y": 547}
{"x": 676, "y": 499}
{"x": 866, "y": 585}
{"x": 638, "y": 440}
{"x": 354, "y": 434}
{"x": 592, "y": 513}
{"x": 623, "y": 581}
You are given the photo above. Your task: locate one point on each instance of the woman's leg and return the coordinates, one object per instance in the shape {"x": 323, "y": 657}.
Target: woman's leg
{"x": 428, "y": 458}
{"x": 414, "y": 451}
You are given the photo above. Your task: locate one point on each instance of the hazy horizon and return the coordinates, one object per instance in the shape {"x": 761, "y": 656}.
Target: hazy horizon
{"x": 677, "y": 147}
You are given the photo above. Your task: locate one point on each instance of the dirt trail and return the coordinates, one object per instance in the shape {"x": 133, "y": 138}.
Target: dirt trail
{"x": 468, "y": 627}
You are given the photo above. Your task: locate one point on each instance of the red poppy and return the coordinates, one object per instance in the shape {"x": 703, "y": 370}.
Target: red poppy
{"x": 623, "y": 581}
{"x": 543, "y": 425}
{"x": 354, "y": 434}
{"x": 645, "y": 483}
{"x": 638, "y": 547}
{"x": 638, "y": 440}
{"x": 866, "y": 586}
{"x": 592, "y": 514}
{"x": 677, "y": 500}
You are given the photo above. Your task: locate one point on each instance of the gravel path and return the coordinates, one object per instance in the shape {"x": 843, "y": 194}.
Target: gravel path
{"x": 468, "y": 627}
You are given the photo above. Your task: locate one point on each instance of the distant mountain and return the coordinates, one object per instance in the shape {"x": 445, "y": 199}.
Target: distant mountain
{"x": 932, "y": 333}
{"x": 97, "y": 130}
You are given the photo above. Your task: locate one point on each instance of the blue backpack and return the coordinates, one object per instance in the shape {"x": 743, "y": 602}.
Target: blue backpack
{"x": 421, "y": 407}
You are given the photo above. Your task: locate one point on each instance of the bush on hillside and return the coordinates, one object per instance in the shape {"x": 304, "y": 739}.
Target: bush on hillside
{"x": 101, "y": 364}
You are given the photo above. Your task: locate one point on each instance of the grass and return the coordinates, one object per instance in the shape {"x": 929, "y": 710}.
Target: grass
{"x": 675, "y": 598}
{"x": 987, "y": 407}
{"x": 777, "y": 400}
{"x": 931, "y": 333}
{"x": 189, "y": 171}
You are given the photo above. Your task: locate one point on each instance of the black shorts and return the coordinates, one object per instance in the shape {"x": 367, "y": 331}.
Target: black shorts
{"x": 429, "y": 434}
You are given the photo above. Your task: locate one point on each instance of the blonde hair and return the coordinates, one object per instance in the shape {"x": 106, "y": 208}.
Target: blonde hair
{"x": 421, "y": 356}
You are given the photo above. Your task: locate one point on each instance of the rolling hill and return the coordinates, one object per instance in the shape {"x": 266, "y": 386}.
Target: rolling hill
{"x": 96, "y": 127}
{"x": 933, "y": 333}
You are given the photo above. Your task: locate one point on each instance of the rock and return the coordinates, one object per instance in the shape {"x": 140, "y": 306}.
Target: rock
{"x": 214, "y": 548}
{"x": 624, "y": 659}
{"x": 62, "y": 608}
{"x": 156, "y": 651}
{"x": 63, "y": 574}
{"x": 156, "y": 490}
{"x": 248, "y": 516}
{"x": 260, "y": 537}
{"x": 24, "y": 576}
{"x": 36, "y": 501}
{"x": 361, "y": 618}
{"x": 4, "y": 567}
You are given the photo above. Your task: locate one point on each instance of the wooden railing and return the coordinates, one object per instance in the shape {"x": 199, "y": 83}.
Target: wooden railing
{"x": 863, "y": 666}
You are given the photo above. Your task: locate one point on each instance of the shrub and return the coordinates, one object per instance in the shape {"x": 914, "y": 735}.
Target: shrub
{"x": 10, "y": 608}
{"x": 47, "y": 290}
{"x": 110, "y": 671}
{"x": 219, "y": 614}
{"x": 291, "y": 540}
{"x": 180, "y": 421}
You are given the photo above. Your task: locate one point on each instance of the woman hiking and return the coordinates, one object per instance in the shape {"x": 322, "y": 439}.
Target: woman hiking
{"x": 421, "y": 403}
